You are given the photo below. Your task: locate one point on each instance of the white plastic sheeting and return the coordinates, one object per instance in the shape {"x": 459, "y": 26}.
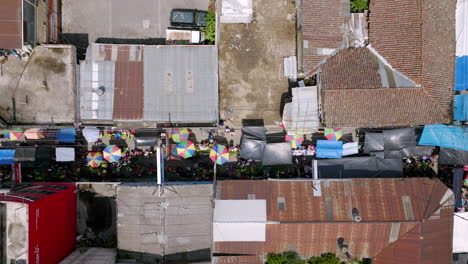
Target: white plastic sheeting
{"x": 301, "y": 115}
{"x": 461, "y": 28}
{"x": 241, "y": 232}
{"x": 236, "y": 11}
{"x": 64, "y": 154}
{"x": 460, "y": 233}
{"x": 350, "y": 148}
{"x": 91, "y": 134}
{"x": 240, "y": 211}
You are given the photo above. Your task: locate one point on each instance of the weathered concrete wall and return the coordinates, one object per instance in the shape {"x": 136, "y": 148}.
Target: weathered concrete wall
{"x": 17, "y": 232}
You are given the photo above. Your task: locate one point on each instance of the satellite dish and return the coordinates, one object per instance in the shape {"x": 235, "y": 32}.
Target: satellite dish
{"x": 101, "y": 90}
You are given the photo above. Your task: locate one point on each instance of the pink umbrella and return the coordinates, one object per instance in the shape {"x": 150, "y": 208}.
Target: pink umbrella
{"x": 34, "y": 133}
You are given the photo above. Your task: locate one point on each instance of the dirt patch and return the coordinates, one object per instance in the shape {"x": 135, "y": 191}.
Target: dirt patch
{"x": 251, "y": 62}
{"x": 50, "y": 64}
{"x": 58, "y": 50}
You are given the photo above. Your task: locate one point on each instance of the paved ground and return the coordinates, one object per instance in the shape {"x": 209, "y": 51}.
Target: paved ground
{"x": 45, "y": 92}
{"x": 251, "y": 62}
{"x": 135, "y": 19}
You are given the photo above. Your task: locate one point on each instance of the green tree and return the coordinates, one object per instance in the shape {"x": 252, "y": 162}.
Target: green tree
{"x": 210, "y": 29}
{"x": 288, "y": 257}
{"x": 358, "y": 6}
{"x": 325, "y": 258}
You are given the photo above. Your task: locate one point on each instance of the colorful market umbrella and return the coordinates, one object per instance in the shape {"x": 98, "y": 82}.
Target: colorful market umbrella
{"x": 179, "y": 134}
{"x": 333, "y": 133}
{"x": 185, "y": 149}
{"x": 219, "y": 154}
{"x": 13, "y": 134}
{"x": 296, "y": 140}
{"x": 112, "y": 153}
{"x": 94, "y": 159}
{"x": 34, "y": 133}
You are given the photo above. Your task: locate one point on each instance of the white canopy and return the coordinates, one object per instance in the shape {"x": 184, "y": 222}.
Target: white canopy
{"x": 64, "y": 154}
{"x": 91, "y": 134}
{"x": 460, "y": 233}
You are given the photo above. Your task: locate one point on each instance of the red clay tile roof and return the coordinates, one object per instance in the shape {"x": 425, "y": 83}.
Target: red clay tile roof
{"x": 384, "y": 233}
{"x": 417, "y": 38}
{"x": 381, "y": 107}
{"x": 11, "y": 24}
{"x": 351, "y": 69}
{"x": 395, "y": 32}
{"x": 322, "y": 25}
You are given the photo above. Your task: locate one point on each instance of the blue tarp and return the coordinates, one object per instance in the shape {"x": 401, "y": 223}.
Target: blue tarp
{"x": 7, "y": 156}
{"x": 66, "y": 135}
{"x": 461, "y": 107}
{"x": 329, "y": 149}
{"x": 445, "y": 136}
{"x": 461, "y": 73}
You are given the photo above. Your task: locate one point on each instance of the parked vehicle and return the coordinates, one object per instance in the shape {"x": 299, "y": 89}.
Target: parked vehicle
{"x": 188, "y": 18}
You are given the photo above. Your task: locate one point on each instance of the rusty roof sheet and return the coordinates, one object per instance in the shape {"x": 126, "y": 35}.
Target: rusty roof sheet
{"x": 387, "y": 232}
{"x": 11, "y": 24}
{"x": 128, "y": 100}
{"x": 237, "y": 260}
{"x": 338, "y": 198}
{"x": 364, "y": 73}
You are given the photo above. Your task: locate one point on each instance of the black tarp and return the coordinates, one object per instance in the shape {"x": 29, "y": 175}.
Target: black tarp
{"x": 448, "y": 156}
{"x": 373, "y": 142}
{"x": 25, "y": 154}
{"x": 396, "y": 139}
{"x": 277, "y": 154}
{"x": 416, "y": 151}
{"x": 457, "y": 186}
{"x": 252, "y": 149}
{"x": 254, "y": 132}
{"x": 360, "y": 167}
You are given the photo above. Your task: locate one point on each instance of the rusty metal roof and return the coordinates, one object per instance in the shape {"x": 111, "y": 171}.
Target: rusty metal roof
{"x": 401, "y": 218}
{"x": 338, "y": 198}
{"x": 11, "y": 24}
{"x": 237, "y": 260}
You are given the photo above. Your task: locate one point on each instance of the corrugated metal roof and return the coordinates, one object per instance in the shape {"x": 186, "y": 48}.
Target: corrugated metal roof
{"x": 92, "y": 76}
{"x": 11, "y": 24}
{"x": 181, "y": 83}
{"x": 364, "y": 194}
{"x": 237, "y": 260}
{"x": 387, "y": 232}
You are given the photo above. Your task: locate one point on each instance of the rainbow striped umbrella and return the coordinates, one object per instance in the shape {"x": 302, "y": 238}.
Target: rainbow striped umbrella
{"x": 13, "y": 134}
{"x": 179, "y": 134}
{"x": 185, "y": 149}
{"x": 219, "y": 154}
{"x": 296, "y": 140}
{"x": 112, "y": 153}
{"x": 94, "y": 159}
{"x": 333, "y": 133}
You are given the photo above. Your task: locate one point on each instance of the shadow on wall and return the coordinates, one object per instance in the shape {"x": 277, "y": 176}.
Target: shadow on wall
{"x": 149, "y": 41}
{"x": 97, "y": 219}
{"x": 195, "y": 256}
{"x": 80, "y": 41}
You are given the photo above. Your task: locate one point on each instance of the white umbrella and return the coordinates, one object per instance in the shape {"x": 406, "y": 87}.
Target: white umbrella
{"x": 91, "y": 134}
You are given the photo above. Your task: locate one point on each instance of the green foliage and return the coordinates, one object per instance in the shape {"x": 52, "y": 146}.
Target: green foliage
{"x": 288, "y": 257}
{"x": 210, "y": 29}
{"x": 358, "y": 6}
{"x": 325, "y": 258}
